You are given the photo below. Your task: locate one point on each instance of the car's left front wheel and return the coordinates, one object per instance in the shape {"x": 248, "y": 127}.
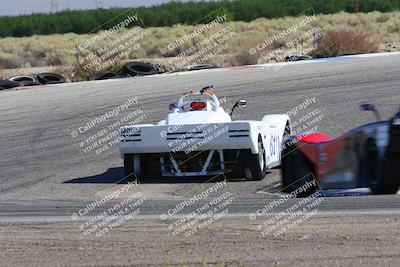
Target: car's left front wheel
{"x": 132, "y": 168}
{"x": 128, "y": 165}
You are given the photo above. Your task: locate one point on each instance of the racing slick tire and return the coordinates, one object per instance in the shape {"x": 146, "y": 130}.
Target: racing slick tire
{"x": 255, "y": 166}
{"x": 297, "y": 171}
{"x": 128, "y": 166}
{"x": 141, "y": 166}
{"x": 383, "y": 180}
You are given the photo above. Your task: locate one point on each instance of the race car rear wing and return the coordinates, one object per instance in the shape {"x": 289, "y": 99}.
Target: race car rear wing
{"x": 188, "y": 138}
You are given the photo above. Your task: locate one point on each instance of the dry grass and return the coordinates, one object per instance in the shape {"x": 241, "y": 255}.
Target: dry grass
{"x": 338, "y": 43}
{"x": 54, "y": 50}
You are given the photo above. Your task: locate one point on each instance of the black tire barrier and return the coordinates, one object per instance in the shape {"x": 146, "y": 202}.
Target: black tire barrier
{"x": 103, "y": 76}
{"x": 119, "y": 77}
{"x": 202, "y": 67}
{"x": 29, "y": 83}
{"x": 296, "y": 57}
{"x": 22, "y": 78}
{"x": 138, "y": 69}
{"x": 158, "y": 68}
{"x": 8, "y": 84}
{"x": 50, "y": 78}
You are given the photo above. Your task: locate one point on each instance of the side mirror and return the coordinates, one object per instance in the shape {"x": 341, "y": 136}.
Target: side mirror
{"x": 370, "y": 107}
{"x": 240, "y": 103}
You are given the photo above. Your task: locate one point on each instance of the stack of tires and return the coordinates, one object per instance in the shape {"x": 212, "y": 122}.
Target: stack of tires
{"x": 130, "y": 69}
{"x": 26, "y": 80}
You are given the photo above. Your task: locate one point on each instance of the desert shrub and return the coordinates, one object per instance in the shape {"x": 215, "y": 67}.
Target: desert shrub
{"x": 68, "y": 72}
{"x": 338, "y": 43}
{"x": 394, "y": 28}
{"x": 11, "y": 62}
{"x": 383, "y": 18}
{"x": 81, "y": 74}
{"x": 243, "y": 58}
{"x": 172, "y": 13}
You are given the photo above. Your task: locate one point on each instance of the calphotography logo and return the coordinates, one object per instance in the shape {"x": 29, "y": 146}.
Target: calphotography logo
{"x": 198, "y": 212}
{"x": 270, "y": 40}
{"x": 204, "y": 44}
{"x": 109, "y": 47}
{"x": 307, "y": 118}
{"x": 99, "y": 134}
{"x": 280, "y": 216}
{"x": 98, "y": 37}
{"x": 110, "y": 212}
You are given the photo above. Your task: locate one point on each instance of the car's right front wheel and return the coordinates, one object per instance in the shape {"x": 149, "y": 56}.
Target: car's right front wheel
{"x": 255, "y": 167}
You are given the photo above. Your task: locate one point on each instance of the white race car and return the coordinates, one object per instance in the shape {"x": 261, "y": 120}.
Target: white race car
{"x": 199, "y": 138}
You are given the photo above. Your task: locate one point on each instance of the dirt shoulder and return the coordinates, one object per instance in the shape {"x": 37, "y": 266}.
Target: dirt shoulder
{"x": 330, "y": 241}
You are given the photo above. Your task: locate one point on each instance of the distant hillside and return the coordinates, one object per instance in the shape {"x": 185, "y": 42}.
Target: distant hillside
{"x": 179, "y": 13}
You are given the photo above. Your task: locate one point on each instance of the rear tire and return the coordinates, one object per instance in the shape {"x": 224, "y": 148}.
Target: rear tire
{"x": 141, "y": 166}
{"x": 382, "y": 173}
{"x": 128, "y": 167}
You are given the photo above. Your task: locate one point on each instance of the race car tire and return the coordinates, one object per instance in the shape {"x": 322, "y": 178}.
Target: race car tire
{"x": 383, "y": 180}
{"x": 8, "y": 84}
{"x": 297, "y": 170}
{"x": 103, "y": 76}
{"x": 138, "y": 69}
{"x": 150, "y": 166}
{"x": 129, "y": 167}
{"x": 255, "y": 166}
{"x": 22, "y": 78}
{"x": 391, "y": 182}
{"x": 50, "y": 78}
{"x": 141, "y": 166}
{"x": 1, "y": 88}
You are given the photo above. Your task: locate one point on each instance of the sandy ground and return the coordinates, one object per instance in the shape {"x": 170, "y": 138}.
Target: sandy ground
{"x": 362, "y": 240}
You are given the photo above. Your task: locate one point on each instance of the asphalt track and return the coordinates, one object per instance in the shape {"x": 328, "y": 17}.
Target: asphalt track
{"x": 45, "y": 176}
